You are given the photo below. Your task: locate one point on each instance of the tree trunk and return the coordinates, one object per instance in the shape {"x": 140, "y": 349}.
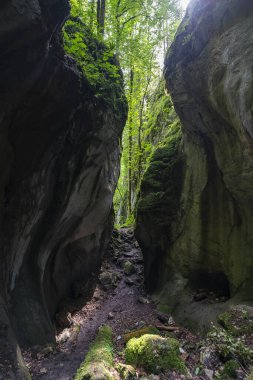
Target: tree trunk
{"x": 130, "y": 144}
{"x": 101, "y": 16}
{"x": 142, "y": 105}
{"x": 92, "y": 14}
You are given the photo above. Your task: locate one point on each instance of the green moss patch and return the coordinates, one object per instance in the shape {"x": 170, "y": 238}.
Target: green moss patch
{"x": 99, "y": 360}
{"x": 162, "y": 182}
{"x": 154, "y": 353}
{"x": 162, "y": 118}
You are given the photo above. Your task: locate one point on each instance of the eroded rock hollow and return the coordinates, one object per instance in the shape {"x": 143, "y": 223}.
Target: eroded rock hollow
{"x": 60, "y": 148}
{"x": 198, "y": 233}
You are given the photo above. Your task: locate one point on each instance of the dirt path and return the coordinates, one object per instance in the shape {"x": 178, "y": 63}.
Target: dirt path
{"x": 119, "y": 301}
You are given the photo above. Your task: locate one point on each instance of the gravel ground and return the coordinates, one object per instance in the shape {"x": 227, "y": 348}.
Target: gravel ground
{"x": 117, "y": 305}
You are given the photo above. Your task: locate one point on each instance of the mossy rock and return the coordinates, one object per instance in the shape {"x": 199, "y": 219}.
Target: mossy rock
{"x": 96, "y": 371}
{"x": 98, "y": 363}
{"x": 162, "y": 182}
{"x": 109, "y": 279}
{"x": 129, "y": 268}
{"x": 154, "y": 353}
{"x": 95, "y": 60}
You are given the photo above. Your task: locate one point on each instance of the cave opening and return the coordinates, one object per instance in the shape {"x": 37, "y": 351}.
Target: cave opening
{"x": 212, "y": 282}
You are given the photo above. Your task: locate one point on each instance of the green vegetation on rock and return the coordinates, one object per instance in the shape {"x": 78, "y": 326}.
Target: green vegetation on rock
{"x": 95, "y": 60}
{"x": 154, "y": 353}
{"x": 159, "y": 202}
{"x": 162, "y": 182}
{"x": 99, "y": 360}
{"x": 162, "y": 120}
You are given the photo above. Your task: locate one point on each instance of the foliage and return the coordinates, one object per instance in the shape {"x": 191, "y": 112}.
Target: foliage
{"x": 95, "y": 60}
{"x": 99, "y": 358}
{"x": 143, "y": 32}
{"x": 154, "y": 353}
{"x": 161, "y": 130}
{"x": 139, "y": 33}
{"x": 236, "y": 322}
{"x": 129, "y": 221}
{"x": 230, "y": 369}
{"x": 230, "y": 347}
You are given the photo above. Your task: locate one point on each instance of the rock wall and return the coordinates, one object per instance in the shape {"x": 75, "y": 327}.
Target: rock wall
{"x": 58, "y": 171}
{"x": 208, "y": 242}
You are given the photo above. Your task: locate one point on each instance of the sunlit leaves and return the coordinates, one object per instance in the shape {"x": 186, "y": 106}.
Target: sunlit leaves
{"x": 139, "y": 33}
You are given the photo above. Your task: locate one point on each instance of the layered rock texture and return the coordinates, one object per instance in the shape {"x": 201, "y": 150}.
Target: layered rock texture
{"x": 59, "y": 167}
{"x": 200, "y": 233}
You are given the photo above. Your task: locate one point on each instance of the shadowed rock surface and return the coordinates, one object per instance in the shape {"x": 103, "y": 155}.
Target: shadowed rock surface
{"x": 206, "y": 242}
{"x": 59, "y": 168}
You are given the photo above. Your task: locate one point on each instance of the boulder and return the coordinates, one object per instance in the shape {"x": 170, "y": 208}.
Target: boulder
{"x": 196, "y": 227}
{"x": 154, "y": 353}
{"x": 60, "y": 149}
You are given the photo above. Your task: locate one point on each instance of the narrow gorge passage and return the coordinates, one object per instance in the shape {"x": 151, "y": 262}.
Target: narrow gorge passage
{"x": 119, "y": 301}
{"x": 126, "y": 113}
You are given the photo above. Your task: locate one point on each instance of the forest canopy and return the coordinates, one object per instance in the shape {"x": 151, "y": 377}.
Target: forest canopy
{"x": 138, "y": 33}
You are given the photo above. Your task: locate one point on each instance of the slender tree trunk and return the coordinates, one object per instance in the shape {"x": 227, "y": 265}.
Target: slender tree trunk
{"x": 139, "y": 137}
{"x": 130, "y": 143}
{"x": 102, "y": 17}
{"x": 101, "y": 6}
{"x": 118, "y": 30}
{"x": 92, "y": 14}
{"x": 142, "y": 105}
{"x": 98, "y": 13}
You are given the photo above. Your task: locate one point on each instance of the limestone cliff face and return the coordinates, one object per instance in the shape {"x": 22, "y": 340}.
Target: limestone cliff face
{"x": 58, "y": 171}
{"x": 208, "y": 242}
